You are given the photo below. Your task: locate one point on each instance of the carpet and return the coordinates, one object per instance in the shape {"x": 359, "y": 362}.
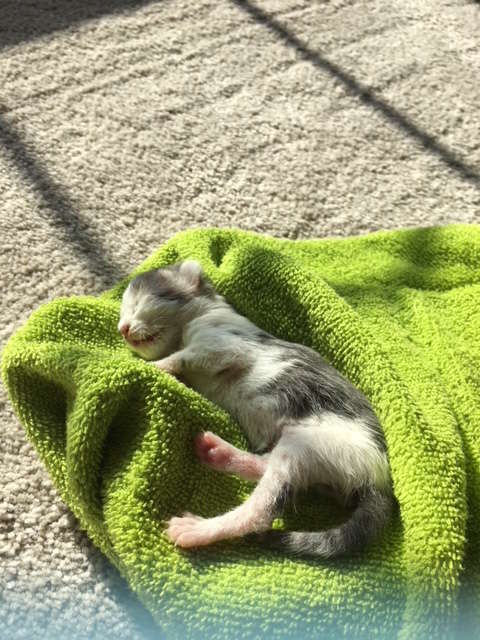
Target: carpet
{"x": 124, "y": 122}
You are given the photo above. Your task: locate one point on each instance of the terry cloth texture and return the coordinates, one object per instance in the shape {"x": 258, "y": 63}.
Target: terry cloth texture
{"x": 123, "y": 122}
{"x": 399, "y": 314}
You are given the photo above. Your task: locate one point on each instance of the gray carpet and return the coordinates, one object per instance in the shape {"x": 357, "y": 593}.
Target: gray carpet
{"x": 122, "y": 122}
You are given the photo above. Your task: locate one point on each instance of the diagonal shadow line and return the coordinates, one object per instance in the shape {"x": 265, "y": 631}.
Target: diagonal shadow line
{"x": 58, "y": 208}
{"x": 363, "y": 93}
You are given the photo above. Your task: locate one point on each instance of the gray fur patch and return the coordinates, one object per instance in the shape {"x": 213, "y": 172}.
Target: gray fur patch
{"x": 309, "y": 385}
{"x": 168, "y": 284}
{"x": 233, "y": 372}
{"x": 161, "y": 285}
{"x": 282, "y": 499}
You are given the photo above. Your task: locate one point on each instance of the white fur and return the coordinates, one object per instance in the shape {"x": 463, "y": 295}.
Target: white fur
{"x": 209, "y": 347}
{"x": 333, "y": 450}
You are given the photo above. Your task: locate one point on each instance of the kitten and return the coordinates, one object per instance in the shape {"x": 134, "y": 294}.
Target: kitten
{"x": 314, "y": 427}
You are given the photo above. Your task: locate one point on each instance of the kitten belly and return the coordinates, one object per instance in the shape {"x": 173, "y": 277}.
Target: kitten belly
{"x": 255, "y": 413}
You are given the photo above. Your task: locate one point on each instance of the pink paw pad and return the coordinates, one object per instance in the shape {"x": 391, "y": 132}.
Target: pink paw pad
{"x": 213, "y": 451}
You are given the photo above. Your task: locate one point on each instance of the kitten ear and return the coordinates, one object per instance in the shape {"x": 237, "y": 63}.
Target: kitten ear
{"x": 191, "y": 270}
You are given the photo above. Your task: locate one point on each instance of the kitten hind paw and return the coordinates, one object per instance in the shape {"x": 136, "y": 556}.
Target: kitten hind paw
{"x": 189, "y": 531}
{"x": 213, "y": 451}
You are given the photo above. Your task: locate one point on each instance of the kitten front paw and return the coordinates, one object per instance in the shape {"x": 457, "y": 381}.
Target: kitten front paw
{"x": 169, "y": 365}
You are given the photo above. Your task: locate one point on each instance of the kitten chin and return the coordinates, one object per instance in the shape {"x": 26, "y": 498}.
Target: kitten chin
{"x": 149, "y": 352}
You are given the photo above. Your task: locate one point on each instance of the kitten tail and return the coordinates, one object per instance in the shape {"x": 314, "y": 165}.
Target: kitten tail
{"x": 366, "y": 523}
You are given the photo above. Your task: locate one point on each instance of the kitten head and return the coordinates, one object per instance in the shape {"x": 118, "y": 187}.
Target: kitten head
{"x": 155, "y": 305}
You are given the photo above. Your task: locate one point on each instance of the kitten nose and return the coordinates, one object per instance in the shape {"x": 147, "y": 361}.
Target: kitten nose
{"x": 124, "y": 329}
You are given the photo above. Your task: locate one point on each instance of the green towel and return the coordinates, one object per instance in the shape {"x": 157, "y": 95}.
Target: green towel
{"x": 398, "y": 313}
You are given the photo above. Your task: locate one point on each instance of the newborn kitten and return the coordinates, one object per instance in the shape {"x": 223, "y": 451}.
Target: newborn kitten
{"x": 314, "y": 427}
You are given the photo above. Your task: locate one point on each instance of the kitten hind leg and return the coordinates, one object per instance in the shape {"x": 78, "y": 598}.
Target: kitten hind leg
{"x": 253, "y": 516}
{"x": 223, "y": 456}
